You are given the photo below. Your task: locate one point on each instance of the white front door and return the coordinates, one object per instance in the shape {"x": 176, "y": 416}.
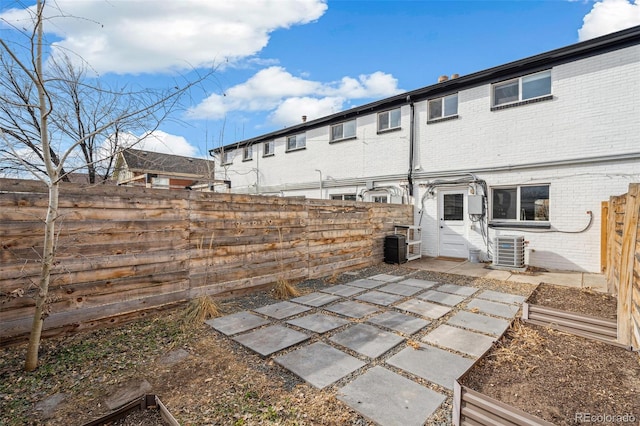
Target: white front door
{"x": 452, "y": 213}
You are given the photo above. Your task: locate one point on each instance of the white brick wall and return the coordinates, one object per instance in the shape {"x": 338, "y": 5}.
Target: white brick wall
{"x": 594, "y": 113}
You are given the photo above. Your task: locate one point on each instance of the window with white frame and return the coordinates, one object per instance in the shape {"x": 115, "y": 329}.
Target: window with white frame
{"x": 227, "y": 158}
{"x": 160, "y": 182}
{"x": 389, "y": 120}
{"x": 247, "y": 153}
{"x": 344, "y": 197}
{"x": 524, "y": 88}
{"x": 520, "y": 203}
{"x": 346, "y": 130}
{"x": 296, "y": 142}
{"x": 380, "y": 199}
{"x": 268, "y": 148}
{"x": 444, "y": 107}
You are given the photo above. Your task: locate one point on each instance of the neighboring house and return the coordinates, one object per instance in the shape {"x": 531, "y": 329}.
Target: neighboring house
{"x": 135, "y": 167}
{"x": 529, "y": 148}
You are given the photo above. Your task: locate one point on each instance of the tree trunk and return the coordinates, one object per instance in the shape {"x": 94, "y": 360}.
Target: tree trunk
{"x": 48, "y": 254}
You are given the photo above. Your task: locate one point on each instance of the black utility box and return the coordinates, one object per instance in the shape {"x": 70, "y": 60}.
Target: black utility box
{"x": 395, "y": 249}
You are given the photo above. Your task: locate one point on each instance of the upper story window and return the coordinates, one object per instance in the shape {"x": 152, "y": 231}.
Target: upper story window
{"x": 227, "y": 158}
{"x": 296, "y": 142}
{"x": 521, "y": 89}
{"x": 389, "y": 120}
{"x": 247, "y": 153}
{"x": 520, "y": 203}
{"x": 346, "y": 130}
{"x": 444, "y": 107}
{"x": 268, "y": 148}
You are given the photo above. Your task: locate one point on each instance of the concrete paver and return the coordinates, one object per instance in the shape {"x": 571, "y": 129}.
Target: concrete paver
{"x": 569, "y": 279}
{"x": 268, "y": 340}
{"x": 430, "y": 363}
{"x": 343, "y": 290}
{"x": 497, "y": 296}
{"x": 406, "y": 324}
{"x": 379, "y": 298}
{"x": 460, "y": 340}
{"x": 281, "y": 310}
{"x": 367, "y": 340}
{"x": 352, "y": 309}
{"x": 390, "y": 399}
{"x": 237, "y": 323}
{"x": 478, "y": 322}
{"x": 425, "y": 309}
{"x": 367, "y": 283}
{"x": 316, "y": 299}
{"x": 319, "y": 364}
{"x": 400, "y": 289}
{"x": 318, "y": 323}
{"x": 442, "y": 298}
{"x": 414, "y": 282}
{"x": 596, "y": 282}
{"x": 461, "y": 290}
{"x": 497, "y": 274}
{"x": 386, "y": 278}
{"x": 493, "y": 308}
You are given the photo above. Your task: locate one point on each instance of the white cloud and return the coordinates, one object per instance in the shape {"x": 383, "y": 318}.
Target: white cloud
{"x": 159, "y": 141}
{"x": 142, "y": 36}
{"x": 291, "y": 110}
{"x": 608, "y": 16}
{"x": 288, "y": 97}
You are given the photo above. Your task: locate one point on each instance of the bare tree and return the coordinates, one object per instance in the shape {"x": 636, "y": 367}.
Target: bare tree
{"x": 36, "y": 105}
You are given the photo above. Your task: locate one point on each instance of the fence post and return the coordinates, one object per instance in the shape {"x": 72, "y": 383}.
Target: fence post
{"x": 604, "y": 228}
{"x": 627, "y": 258}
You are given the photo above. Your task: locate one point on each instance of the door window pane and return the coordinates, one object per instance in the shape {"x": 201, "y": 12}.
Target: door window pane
{"x": 453, "y": 207}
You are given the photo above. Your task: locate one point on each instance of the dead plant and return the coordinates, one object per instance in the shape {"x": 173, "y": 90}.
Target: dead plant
{"x": 283, "y": 289}
{"x": 199, "y": 310}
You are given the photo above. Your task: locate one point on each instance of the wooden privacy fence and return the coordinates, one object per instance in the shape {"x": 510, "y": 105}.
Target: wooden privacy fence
{"x": 623, "y": 262}
{"x": 124, "y": 251}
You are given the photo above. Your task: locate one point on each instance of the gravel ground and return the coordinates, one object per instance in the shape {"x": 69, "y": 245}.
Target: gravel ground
{"x": 443, "y": 415}
{"x": 220, "y": 382}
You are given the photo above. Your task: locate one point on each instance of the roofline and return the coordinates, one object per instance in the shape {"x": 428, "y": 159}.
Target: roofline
{"x": 606, "y": 43}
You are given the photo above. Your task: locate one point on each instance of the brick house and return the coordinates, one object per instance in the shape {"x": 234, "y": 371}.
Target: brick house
{"x": 527, "y": 149}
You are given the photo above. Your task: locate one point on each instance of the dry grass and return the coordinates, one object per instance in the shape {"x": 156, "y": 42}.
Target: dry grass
{"x": 526, "y": 340}
{"x": 199, "y": 310}
{"x": 283, "y": 290}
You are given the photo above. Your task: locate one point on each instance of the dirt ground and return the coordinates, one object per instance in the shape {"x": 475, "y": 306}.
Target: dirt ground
{"x": 204, "y": 378}
{"x": 558, "y": 377}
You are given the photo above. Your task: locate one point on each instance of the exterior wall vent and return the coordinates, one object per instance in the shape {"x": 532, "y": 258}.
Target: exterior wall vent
{"x": 508, "y": 251}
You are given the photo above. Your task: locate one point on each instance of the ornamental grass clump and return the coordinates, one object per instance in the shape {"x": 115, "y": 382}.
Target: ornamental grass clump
{"x": 199, "y": 310}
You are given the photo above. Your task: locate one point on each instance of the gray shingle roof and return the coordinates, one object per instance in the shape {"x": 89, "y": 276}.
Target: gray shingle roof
{"x": 155, "y": 162}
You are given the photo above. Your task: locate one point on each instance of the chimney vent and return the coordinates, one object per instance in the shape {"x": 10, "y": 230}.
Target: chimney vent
{"x": 304, "y": 118}
{"x": 442, "y": 78}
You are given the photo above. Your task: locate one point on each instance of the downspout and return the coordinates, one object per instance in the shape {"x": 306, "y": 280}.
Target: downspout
{"x": 411, "y": 147}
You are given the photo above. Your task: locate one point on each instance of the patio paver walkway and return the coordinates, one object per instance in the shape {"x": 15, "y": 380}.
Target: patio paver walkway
{"x": 353, "y": 324}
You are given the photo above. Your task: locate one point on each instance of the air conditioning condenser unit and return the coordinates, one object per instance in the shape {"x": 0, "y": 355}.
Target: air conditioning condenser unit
{"x": 508, "y": 251}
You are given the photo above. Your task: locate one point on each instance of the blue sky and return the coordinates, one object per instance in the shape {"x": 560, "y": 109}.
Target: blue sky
{"x": 282, "y": 59}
